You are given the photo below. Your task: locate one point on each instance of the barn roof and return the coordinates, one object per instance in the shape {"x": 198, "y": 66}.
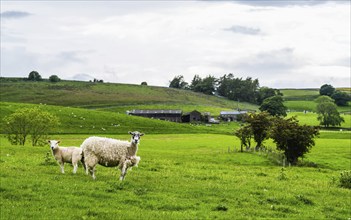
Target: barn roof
{"x": 155, "y": 111}
{"x": 233, "y": 112}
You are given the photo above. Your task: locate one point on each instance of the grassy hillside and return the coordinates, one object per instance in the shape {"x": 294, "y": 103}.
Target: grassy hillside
{"x": 179, "y": 177}
{"x": 105, "y": 95}
{"x": 84, "y": 121}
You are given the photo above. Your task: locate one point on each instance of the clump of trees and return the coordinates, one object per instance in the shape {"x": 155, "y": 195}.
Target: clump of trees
{"x": 34, "y": 76}
{"x": 234, "y": 88}
{"x": 327, "y": 111}
{"x": 29, "y": 122}
{"x": 340, "y": 98}
{"x": 293, "y": 139}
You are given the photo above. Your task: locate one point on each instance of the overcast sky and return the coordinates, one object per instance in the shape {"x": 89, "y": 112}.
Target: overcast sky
{"x": 285, "y": 44}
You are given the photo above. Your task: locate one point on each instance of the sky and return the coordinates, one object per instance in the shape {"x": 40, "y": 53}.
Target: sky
{"x": 285, "y": 44}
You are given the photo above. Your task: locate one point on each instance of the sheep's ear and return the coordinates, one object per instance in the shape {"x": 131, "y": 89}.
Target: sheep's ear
{"x": 141, "y": 134}
{"x": 58, "y": 141}
{"x": 129, "y": 132}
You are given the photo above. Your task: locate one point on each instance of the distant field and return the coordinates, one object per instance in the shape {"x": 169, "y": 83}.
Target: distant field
{"x": 311, "y": 119}
{"x": 300, "y": 94}
{"x": 83, "y": 121}
{"x": 104, "y": 95}
{"x": 179, "y": 177}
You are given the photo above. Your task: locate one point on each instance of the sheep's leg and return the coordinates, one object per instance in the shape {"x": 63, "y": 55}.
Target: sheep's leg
{"x": 62, "y": 166}
{"x": 123, "y": 171}
{"x": 75, "y": 167}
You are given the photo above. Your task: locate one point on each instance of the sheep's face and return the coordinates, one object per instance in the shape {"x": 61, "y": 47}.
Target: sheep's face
{"x": 54, "y": 144}
{"x": 135, "y": 137}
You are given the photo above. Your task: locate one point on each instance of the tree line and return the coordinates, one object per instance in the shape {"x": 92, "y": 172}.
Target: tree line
{"x": 229, "y": 86}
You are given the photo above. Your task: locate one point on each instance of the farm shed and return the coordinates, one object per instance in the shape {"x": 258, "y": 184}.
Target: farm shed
{"x": 194, "y": 116}
{"x": 232, "y": 115}
{"x": 167, "y": 115}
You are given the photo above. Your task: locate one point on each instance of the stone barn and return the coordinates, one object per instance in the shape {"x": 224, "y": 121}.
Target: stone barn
{"x": 194, "y": 116}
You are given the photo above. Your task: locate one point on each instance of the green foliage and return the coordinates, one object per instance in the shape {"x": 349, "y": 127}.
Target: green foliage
{"x": 274, "y": 106}
{"x": 327, "y": 90}
{"x": 143, "y": 83}
{"x": 29, "y": 121}
{"x": 328, "y": 114}
{"x": 178, "y": 83}
{"x": 265, "y": 92}
{"x": 244, "y": 134}
{"x": 54, "y": 78}
{"x": 341, "y": 98}
{"x": 260, "y": 124}
{"x": 34, "y": 76}
{"x": 206, "y": 85}
{"x": 345, "y": 179}
{"x": 294, "y": 139}
{"x": 237, "y": 88}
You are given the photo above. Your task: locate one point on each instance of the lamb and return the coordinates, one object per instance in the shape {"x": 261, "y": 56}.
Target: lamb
{"x": 66, "y": 154}
{"x": 110, "y": 152}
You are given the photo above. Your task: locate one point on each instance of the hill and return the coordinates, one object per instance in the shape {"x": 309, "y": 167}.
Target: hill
{"x": 107, "y": 95}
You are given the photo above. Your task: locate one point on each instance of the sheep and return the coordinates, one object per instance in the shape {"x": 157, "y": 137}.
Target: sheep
{"x": 66, "y": 154}
{"x": 110, "y": 152}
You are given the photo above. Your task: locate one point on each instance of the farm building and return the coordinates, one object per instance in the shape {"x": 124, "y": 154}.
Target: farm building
{"x": 167, "y": 115}
{"x": 232, "y": 115}
{"x": 193, "y": 116}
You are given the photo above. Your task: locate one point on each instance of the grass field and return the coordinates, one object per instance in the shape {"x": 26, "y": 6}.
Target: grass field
{"x": 179, "y": 177}
{"x": 186, "y": 171}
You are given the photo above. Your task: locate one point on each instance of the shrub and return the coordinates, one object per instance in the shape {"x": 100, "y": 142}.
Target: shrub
{"x": 29, "y": 121}
{"x": 54, "y": 78}
{"x": 345, "y": 179}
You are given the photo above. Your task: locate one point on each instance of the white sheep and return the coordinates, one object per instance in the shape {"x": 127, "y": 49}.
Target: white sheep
{"x": 66, "y": 154}
{"x": 110, "y": 152}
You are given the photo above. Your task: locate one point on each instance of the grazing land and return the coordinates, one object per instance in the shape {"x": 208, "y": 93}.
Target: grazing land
{"x": 179, "y": 177}
{"x": 187, "y": 171}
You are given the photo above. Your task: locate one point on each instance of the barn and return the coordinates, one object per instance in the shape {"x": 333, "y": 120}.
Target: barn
{"x": 194, "y": 116}
{"x": 232, "y": 115}
{"x": 167, "y": 115}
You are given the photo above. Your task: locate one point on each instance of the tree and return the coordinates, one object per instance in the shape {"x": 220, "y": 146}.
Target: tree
{"x": 244, "y": 134}
{"x": 341, "y": 98}
{"x": 178, "y": 82}
{"x": 144, "y": 83}
{"x": 34, "y": 76}
{"x": 266, "y": 92}
{"x": 207, "y": 85}
{"x": 327, "y": 90}
{"x": 195, "y": 83}
{"x": 274, "y": 106}
{"x": 29, "y": 121}
{"x": 294, "y": 139}
{"x": 54, "y": 78}
{"x": 260, "y": 124}
{"x": 328, "y": 114}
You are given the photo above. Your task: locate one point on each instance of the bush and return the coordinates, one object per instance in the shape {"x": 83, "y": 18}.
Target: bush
{"x": 29, "y": 121}
{"x": 345, "y": 179}
{"x": 54, "y": 78}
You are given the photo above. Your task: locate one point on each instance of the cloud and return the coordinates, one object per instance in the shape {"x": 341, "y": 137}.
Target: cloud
{"x": 14, "y": 14}
{"x": 281, "y": 3}
{"x": 243, "y": 30}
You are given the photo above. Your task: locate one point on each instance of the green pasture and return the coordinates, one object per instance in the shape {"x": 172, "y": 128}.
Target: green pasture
{"x": 310, "y": 118}
{"x": 84, "y": 121}
{"x": 312, "y": 106}
{"x": 98, "y": 95}
{"x": 193, "y": 176}
{"x": 300, "y": 94}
